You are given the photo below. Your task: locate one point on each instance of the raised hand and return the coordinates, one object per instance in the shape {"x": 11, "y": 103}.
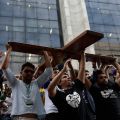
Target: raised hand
{"x": 66, "y": 64}
{"x": 5, "y": 62}
{"x": 47, "y": 59}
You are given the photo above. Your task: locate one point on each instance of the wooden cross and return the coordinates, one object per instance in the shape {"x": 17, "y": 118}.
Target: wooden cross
{"x": 71, "y": 50}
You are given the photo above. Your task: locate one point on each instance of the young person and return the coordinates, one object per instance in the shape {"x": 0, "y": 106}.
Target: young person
{"x": 106, "y": 95}
{"x": 71, "y": 99}
{"x": 27, "y": 103}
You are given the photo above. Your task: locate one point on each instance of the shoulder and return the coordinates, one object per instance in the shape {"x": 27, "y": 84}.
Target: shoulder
{"x": 78, "y": 83}
{"x": 58, "y": 96}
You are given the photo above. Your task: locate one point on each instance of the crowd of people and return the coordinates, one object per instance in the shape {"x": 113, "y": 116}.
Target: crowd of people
{"x": 60, "y": 92}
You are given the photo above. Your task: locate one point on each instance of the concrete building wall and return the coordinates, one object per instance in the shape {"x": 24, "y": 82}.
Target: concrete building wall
{"x": 74, "y": 21}
{"x": 74, "y": 18}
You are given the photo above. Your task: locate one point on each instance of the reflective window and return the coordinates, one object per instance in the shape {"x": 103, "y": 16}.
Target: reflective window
{"x": 4, "y": 37}
{"x": 29, "y": 21}
{"x": 44, "y": 40}
{"x": 42, "y": 13}
{"x": 104, "y": 16}
{"x": 97, "y": 19}
{"x": 31, "y": 12}
{"x": 107, "y": 19}
{"x": 5, "y": 21}
{"x": 18, "y": 29}
{"x": 55, "y": 40}
{"x": 43, "y": 23}
{"x": 44, "y": 30}
{"x": 54, "y": 24}
{"x": 116, "y": 20}
{"x": 53, "y": 15}
{"x": 18, "y": 22}
{"x": 6, "y": 10}
{"x": 32, "y": 29}
{"x": 52, "y": 1}
{"x": 18, "y": 11}
{"x": 18, "y": 58}
{"x": 19, "y": 37}
{"x": 32, "y": 38}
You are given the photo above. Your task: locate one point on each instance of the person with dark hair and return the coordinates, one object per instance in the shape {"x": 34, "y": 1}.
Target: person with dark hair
{"x": 106, "y": 95}
{"x": 27, "y": 103}
{"x": 27, "y": 64}
{"x": 71, "y": 100}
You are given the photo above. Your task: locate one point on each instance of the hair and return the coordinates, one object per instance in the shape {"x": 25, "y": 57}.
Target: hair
{"x": 55, "y": 68}
{"x": 76, "y": 72}
{"x": 27, "y": 64}
{"x": 96, "y": 74}
{"x": 59, "y": 66}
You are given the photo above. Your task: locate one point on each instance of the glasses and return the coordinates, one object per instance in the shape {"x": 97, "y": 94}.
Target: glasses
{"x": 27, "y": 71}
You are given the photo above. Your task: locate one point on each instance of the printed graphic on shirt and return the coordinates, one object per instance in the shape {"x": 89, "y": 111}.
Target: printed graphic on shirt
{"x": 73, "y": 99}
{"x": 108, "y": 94}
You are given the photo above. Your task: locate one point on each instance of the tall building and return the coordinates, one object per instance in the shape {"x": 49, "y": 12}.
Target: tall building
{"x": 54, "y": 23}
{"x": 29, "y": 21}
{"x": 97, "y": 15}
{"x": 74, "y": 19}
{"x": 104, "y": 16}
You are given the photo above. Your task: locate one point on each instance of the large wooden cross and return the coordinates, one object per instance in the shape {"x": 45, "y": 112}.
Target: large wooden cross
{"x": 71, "y": 50}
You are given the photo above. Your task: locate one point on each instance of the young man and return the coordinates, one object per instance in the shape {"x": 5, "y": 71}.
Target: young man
{"x": 71, "y": 99}
{"x": 106, "y": 96}
{"x": 27, "y": 103}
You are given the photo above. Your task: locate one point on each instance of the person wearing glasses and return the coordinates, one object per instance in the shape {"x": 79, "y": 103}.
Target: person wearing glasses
{"x": 27, "y": 103}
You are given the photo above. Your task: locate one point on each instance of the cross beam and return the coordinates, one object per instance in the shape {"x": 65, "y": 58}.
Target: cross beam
{"x": 72, "y": 49}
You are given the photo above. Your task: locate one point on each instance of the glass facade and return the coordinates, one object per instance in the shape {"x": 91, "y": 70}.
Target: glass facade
{"x": 104, "y": 17}
{"x": 29, "y": 21}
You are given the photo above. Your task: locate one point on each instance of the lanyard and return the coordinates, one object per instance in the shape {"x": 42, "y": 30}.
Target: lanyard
{"x": 28, "y": 90}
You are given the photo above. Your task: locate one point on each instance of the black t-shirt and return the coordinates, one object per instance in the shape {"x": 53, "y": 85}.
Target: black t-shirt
{"x": 71, "y": 103}
{"x": 107, "y": 101}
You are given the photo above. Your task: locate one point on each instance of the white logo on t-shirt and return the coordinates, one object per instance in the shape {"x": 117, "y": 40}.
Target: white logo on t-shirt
{"x": 106, "y": 93}
{"x": 73, "y": 99}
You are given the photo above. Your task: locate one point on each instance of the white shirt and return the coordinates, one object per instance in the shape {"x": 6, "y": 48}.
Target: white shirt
{"x": 49, "y": 106}
{"x": 19, "y": 92}
{"x": 8, "y": 102}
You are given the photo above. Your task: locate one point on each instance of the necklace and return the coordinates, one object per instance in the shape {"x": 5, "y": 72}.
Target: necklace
{"x": 28, "y": 100}
{"x": 28, "y": 90}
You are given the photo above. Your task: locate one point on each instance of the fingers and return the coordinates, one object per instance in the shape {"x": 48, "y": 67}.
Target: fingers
{"x": 45, "y": 53}
{"x": 48, "y": 59}
{"x": 51, "y": 59}
{"x": 8, "y": 47}
{"x": 68, "y": 61}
